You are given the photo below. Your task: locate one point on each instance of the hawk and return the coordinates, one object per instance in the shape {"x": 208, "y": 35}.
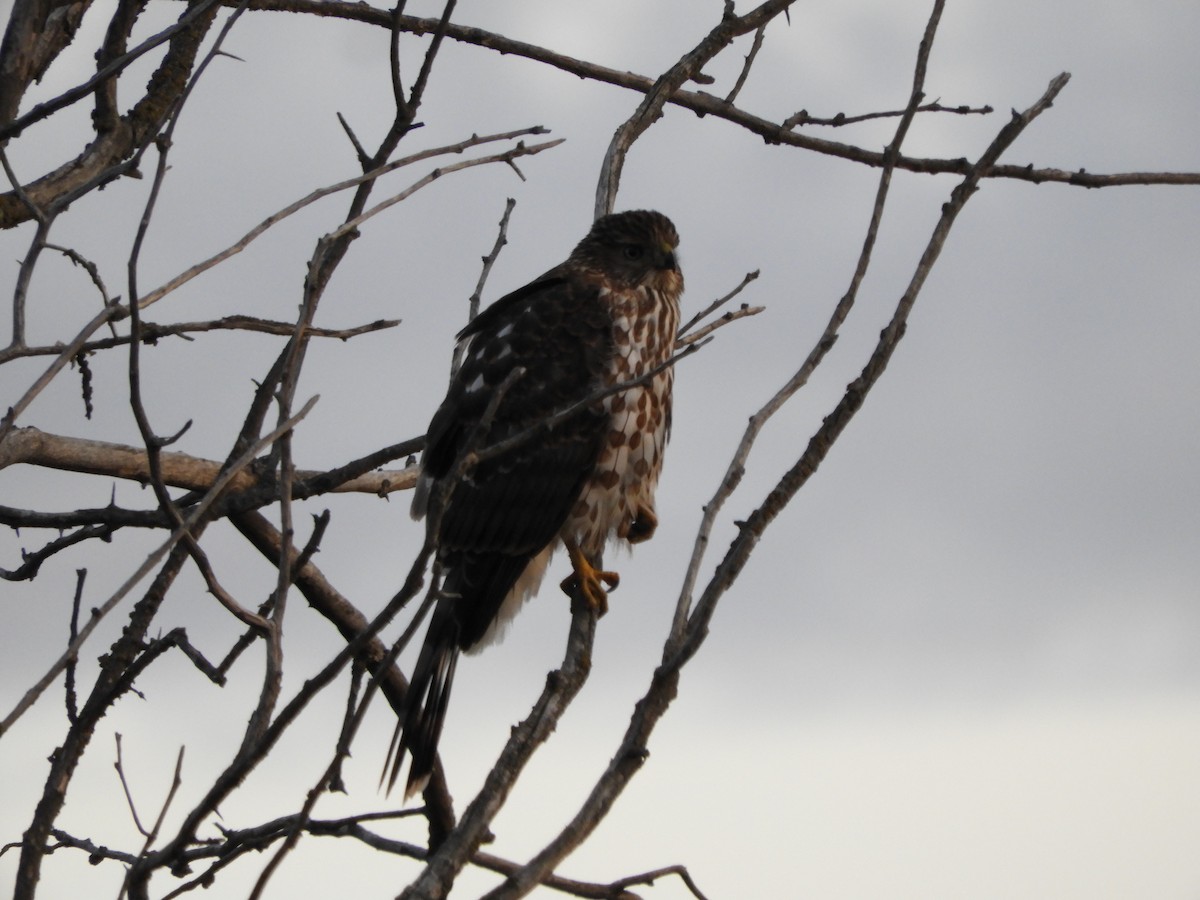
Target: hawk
{"x": 605, "y": 317}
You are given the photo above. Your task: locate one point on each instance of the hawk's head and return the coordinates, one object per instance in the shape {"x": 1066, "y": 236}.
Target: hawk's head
{"x": 632, "y": 249}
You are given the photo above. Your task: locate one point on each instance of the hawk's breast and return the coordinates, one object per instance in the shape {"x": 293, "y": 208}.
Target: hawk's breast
{"x": 623, "y": 483}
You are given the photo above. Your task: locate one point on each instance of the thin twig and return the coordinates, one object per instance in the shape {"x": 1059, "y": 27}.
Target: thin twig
{"x": 521, "y": 149}
{"x": 668, "y": 85}
{"x": 488, "y": 262}
{"x": 716, "y": 304}
{"x": 41, "y": 235}
{"x": 152, "y": 834}
{"x": 60, "y": 362}
{"x": 649, "y": 878}
{"x": 238, "y": 246}
{"x": 152, "y": 332}
{"x": 688, "y": 333}
{"x": 31, "y": 562}
{"x": 745, "y": 73}
{"x": 72, "y": 633}
{"x": 803, "y": 118}
{"x": 733, "y": 315}
{"x": 88, "y": 266}
{"x": 235, "y": 843}
{"x": 119, "y": 765}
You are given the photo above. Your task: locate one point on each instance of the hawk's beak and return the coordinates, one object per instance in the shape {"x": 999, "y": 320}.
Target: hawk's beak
{"x": 667, "y": 259}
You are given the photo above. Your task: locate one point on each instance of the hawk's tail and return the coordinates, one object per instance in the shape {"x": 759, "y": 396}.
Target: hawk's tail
{"x": 428, "y": 693}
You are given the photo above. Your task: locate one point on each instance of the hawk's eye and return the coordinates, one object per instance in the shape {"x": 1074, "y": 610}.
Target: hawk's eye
{"x": 633, "y": 251}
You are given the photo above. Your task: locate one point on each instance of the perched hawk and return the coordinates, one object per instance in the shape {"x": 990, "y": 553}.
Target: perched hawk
{"x": 606, "y": 316}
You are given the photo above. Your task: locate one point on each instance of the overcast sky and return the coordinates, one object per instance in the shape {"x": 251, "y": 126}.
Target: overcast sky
{"x": 965, "y": 662}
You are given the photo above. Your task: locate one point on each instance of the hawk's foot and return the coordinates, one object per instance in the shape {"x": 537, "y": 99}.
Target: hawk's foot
{"x": 641, "y": 527}
{"x": 588, "y": 583}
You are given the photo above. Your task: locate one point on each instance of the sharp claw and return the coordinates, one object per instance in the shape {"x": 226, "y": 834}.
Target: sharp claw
{"x": 585, "y": 582}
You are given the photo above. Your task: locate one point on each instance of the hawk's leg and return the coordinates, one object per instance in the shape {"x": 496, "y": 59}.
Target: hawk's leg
{"x": 641, "y": 527}
{"x": 585, "y": 580}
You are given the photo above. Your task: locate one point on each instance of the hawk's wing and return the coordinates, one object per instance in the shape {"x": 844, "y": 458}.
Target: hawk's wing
{"x": 512, "y": 506}
{"x": 503, "y": 512}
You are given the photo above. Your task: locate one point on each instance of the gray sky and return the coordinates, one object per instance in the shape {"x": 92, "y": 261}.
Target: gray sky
{"x": 963, "y": 663}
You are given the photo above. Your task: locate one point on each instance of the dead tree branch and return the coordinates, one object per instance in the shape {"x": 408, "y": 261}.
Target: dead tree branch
{"x": 258, "y": 432}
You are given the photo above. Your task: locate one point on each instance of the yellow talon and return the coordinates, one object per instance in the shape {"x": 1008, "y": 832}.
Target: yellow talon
{"x": 585, "y": 581}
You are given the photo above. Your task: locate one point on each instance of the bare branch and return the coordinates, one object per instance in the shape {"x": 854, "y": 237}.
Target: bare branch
{"x": 686, "y": 336}
{"x": 717, "y": 304}
{"x": 823, "y": 344}
{"x": 490, "y": 259}
{"x": 803, "y": 118}
{"x": 34, "y": 447}
{"x": 506, "y": 156}
{"x": 66, "y": 98}
{"x": 255, "y": 485}
{"x": 36, "y": 35}
{"x": 750, "y": 57}
{"x": 254, "y": 839}
{"x": 704, "y": 104}
{"x": 251, "y": 755}
{"x": 67, "y": 354}
{"x": 152, "y": 332}
{"x": 666, "y": 86}
{"x": 650, "y": 877}
{"x": 562, "y": 685}
{"x": 152, "y": 834}
{"x": 152, "y": 560}
{"x": 120, "y": 767}
{"x": 73, "y": 632}
{"x": 241, "y": 244}
{"x": 732, "y": 316}
{"x": 120, "y": 142}
{"x": 44, "y": 220}
{"x": 833, "y": 424}
{"x": 32, "y": 562}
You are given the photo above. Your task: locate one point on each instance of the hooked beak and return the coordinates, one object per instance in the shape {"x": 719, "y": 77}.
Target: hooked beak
{"x": 667, "y": 259}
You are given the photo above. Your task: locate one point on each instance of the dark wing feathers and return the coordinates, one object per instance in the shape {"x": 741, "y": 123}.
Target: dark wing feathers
{"x": 515, "y": 503}
{"x": 510, "y": 507}
{"x": 518, "y": 508}
{"x": 499, "y": 310}
{"x": 482, "y": 575}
